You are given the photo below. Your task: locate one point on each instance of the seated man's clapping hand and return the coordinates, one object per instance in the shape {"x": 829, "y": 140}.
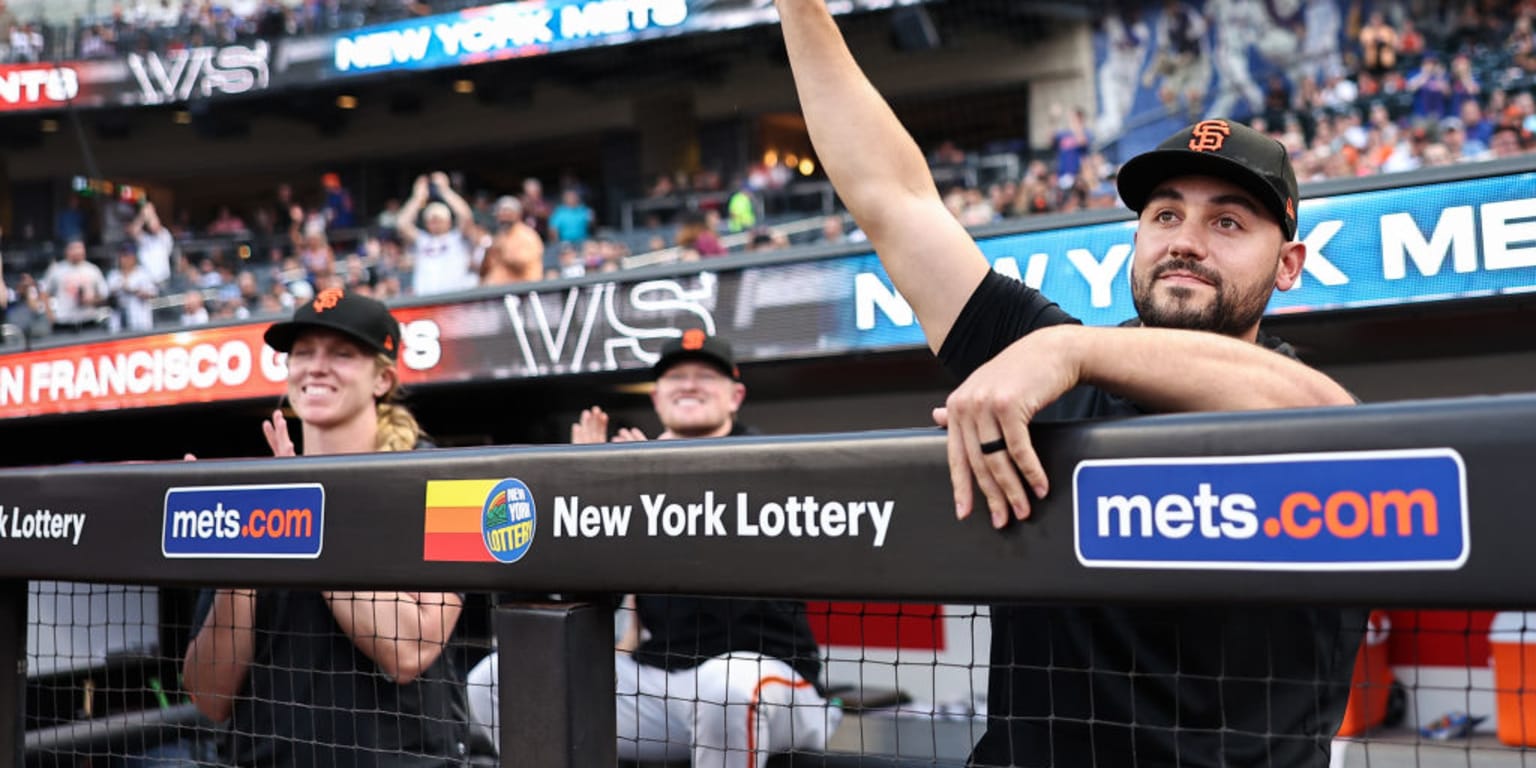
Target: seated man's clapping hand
{"x": 592, "y": 428}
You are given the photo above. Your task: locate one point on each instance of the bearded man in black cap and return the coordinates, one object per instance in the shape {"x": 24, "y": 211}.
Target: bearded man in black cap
{"x": 1100, "y": 685}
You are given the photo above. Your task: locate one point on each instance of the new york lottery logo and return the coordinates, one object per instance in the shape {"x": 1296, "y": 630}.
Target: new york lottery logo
{"x": 1368, "y": 510}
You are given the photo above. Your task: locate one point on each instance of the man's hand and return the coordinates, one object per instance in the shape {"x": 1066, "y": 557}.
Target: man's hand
{"x": 997, "y": 402}
{"x": 420, "y": 189}
{"x": 442, "y": 181}
{"x": 276, "y": 431}
{"x": 591, "y": 428}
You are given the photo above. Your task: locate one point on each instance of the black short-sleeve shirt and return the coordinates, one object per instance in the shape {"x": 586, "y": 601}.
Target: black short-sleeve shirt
{"x": 687, "y": 631}
{"x": 1164, "y": 685}
{"x": 311, "y": 699}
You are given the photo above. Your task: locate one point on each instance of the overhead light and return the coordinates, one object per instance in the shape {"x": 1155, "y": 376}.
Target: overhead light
{"x": 346, "y": 101}
{"x": 464, "y": 87}
{"x": 807, "y": 167}
{"x": 182, "y": 117}
{"x": 770, "y": 158}
{"x": 49, "y": 125}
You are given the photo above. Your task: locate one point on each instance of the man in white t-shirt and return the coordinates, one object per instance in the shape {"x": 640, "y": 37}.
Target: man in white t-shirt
{"x": 442, "y": 256}
{"x": 78, "y": 288}
{"x": 154, "y": 243}
{"x": 132, "y": 287}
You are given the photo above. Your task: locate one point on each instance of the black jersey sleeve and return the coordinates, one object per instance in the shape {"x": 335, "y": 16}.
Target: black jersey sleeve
{"x": 1001, "y": 310}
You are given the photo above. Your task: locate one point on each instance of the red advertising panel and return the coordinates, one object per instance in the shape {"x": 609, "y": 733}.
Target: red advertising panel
{"x": 37, "y": 86}
{"x": 189, "y": 367}
{"x": 218, "y": 364}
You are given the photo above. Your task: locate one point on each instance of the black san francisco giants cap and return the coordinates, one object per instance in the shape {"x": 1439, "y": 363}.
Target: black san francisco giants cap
{"x": 1225, "y": 150}
{"x": 363, "y": 319}
{"x": 695, "y": 344}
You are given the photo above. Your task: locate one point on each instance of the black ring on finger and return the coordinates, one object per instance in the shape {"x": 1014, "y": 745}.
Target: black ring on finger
{"x": 993, "y": 446}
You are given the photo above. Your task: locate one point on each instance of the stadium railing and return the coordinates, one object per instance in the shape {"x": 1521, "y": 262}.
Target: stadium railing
{"x": 1451, "y": 456}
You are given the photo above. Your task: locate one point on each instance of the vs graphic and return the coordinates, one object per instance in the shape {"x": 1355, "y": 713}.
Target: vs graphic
{"x": 601, "y": 326}
{"x": 206, "y": 71}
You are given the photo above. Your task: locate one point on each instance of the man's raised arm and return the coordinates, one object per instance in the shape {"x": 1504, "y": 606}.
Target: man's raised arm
{"x": 879, "y": 172}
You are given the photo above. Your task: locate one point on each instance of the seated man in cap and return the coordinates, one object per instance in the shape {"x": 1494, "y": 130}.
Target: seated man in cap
{"x": 722, "y": 681}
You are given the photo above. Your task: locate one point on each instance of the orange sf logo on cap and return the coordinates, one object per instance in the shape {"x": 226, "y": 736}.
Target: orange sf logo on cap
{"x": 693, "y": 339}
{"x": 1290, "y": 208}
{"x": 327, "y": 299}
{"x": 1209, "y": 135}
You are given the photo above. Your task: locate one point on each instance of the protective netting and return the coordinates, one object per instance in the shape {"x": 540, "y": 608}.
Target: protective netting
{"x": 804, "y": 681}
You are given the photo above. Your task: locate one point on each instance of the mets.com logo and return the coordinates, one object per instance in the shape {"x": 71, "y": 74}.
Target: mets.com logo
{"x": 478, "y": 521}
{"x": 244, "y": 521}
{"x": 1367, "y": 510}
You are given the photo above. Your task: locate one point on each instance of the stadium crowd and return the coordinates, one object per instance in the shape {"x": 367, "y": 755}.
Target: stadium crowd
{"x": 160, "y": 25}
{"x": 1413, "y": 91}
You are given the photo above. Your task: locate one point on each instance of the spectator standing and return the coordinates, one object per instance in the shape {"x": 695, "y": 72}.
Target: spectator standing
{"x": 443, "y": 255}
{"x": 516, "y": 252}
{"x": 26, "y": 44}
{"x": 1378, "y": 45}
{"x": 1431, "y": 89}
{"x": 153, "y": 242}
{"x": 94, "y": 44}
{"x": 78, "y": 288}
{"x": 132, "y": 288}
{"x": 1464, "y": 84}
{"x": 741, "y": 208}
{"x": 536, "y": 208}
{"x": 571, "y": 221}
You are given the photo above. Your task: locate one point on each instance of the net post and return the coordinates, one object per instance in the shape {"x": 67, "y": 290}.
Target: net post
{"x": 556, "y": 684}
{"x": 13, "y": 669}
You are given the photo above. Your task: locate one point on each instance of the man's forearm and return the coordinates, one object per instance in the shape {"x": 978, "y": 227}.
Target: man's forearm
{"x": 220, "y": 656}
{"x": 879, "y": 172}
{"x": 402, "y": 632}
{"x": 1178, "y": 371}
{"x": 866, "y": 152}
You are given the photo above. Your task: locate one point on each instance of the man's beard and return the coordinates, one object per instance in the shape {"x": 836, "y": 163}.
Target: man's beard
{"x": 1231, "y": 313}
